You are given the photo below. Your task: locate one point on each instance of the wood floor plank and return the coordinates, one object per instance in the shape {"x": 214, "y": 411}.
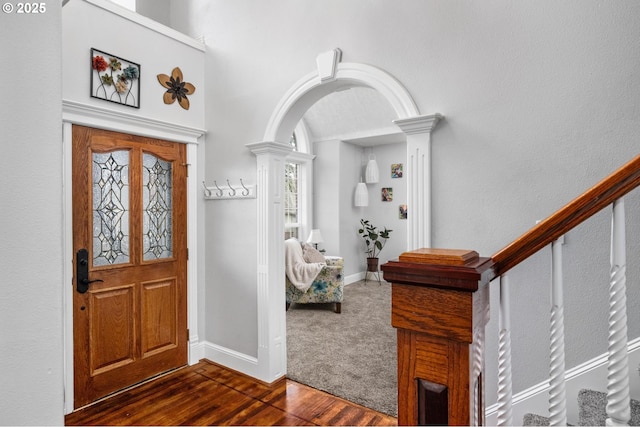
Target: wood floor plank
{"x": 209, "y": 394}
{"x": 242, "y": 383}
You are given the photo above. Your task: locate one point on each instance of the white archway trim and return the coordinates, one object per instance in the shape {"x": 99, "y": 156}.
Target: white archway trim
{"x": 308, "y": 90}
{"x": 329, "y": 77}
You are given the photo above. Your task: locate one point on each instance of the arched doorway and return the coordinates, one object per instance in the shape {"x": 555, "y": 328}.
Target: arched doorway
{"x": 331, "y": 75}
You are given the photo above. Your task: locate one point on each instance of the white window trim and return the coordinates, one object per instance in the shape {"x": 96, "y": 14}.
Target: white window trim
{"x": 305, "y": 190}
{"x": 304, "y": 158}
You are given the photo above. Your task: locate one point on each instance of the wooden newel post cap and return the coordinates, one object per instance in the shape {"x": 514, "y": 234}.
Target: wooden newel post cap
{"x": 458, "y": 257}
{"x": 450, "y": 268}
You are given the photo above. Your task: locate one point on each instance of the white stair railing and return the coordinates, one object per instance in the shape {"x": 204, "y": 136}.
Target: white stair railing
{"x": 557, "y": 395}
{"x": 608, "y": 192}
{"x": 505, "y": 386}
{"x": 618, "y": 398}
{"x": 618, "y": 404}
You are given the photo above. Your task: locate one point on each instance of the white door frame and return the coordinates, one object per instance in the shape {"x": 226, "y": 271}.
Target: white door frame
{"x": 101, "y": 118}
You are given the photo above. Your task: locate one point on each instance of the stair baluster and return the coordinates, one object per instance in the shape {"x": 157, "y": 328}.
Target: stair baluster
{"x": 505, "y": 386}
{"x": 618, "y": 406}
{"x": 429, "y": 329}
{"x": 557, "y": 394}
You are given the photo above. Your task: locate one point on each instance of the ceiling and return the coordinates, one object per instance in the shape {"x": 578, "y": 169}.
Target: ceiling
{"x": 359, "y": 115}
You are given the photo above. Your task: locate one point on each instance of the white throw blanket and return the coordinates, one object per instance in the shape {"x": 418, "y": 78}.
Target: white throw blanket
{"x": 299, "y": 272}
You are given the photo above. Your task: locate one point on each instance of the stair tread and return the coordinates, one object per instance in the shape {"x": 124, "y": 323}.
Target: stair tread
{"x": 592, "y": 411}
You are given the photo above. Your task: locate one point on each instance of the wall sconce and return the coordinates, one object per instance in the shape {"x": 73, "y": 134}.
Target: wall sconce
{"x": 315, "y": 237}
{"x": 371, "y": 173}
{"x": 361, "y": 197}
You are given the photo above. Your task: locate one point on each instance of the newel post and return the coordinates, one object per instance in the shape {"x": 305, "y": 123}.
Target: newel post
{"x": 440, "y": 306}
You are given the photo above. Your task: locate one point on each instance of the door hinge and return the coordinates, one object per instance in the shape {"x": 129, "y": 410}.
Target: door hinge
{"x": 187, "y": 254}
{"x": 187, "y": 166}
{"x": 187, "y": 334}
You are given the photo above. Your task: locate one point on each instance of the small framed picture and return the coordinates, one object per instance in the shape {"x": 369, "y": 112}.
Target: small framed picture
{"x": 115, "y": 79}
{"x": 396, "y": 170}
{"x": 402, "y": 211}
{"x": 387, "y": 194}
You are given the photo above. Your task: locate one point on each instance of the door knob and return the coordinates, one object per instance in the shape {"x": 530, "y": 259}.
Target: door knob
{"x": 82, "y": 271}
{"x": 87, "y": 281}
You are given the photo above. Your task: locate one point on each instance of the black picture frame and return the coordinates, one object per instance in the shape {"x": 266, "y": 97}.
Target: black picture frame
{"x": 115, "y": 79}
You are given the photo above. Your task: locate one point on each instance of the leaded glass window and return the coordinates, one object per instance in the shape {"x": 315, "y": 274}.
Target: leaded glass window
{"x": 157, "y": 235}
{"x": 110, "y": 177}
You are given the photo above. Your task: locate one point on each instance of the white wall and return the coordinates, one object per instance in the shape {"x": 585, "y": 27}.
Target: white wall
{"x": 337, "y": 169}
{"x": 539, "y": 98}
{"x": 31, "y": 353}
{"x": 88, "y": 25}
{"x": 386, "y": 214}
{"x": 118, "y": 31}
{"x": 158, "y": 10}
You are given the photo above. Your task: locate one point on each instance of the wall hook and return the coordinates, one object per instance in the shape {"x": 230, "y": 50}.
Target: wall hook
{"x": 232, "y": 191}
{"x": 246, "y": 191}
{"x": 207, "y": 192}
{"x": 219, "y": 193}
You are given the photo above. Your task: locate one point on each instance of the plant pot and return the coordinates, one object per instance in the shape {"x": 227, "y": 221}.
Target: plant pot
{"x": 372, "y": 264}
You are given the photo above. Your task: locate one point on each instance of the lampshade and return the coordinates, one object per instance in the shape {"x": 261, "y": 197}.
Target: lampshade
{"x": 315, "y": 237}
{"x": 371, "y": 173}
{"x": 361, "y": 197}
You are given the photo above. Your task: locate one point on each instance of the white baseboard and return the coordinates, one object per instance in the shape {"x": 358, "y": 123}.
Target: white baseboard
{"x": 196, "y": 352}
{"x": 591, "y": 374}
{"x": 352, "y": 278}
{"x": 231, "y": 359}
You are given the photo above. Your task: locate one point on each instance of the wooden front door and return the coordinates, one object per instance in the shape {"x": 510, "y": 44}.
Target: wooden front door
{"x": 129, "y": 238}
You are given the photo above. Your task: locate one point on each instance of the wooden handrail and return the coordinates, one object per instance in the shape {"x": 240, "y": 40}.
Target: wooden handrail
{"x": 598, "y": 197}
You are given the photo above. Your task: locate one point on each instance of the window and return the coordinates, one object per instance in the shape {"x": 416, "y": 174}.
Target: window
{"x": 292, "y": 217}
{"x": 298, "y": 172}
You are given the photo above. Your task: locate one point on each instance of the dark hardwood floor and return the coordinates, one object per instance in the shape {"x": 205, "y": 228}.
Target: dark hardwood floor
{"x": 208, "y": 394}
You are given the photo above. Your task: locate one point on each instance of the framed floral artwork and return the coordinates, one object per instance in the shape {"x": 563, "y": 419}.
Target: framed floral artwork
{"x": 115, "y": 79}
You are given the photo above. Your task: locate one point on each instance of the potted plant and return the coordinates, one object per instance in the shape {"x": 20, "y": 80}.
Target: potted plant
{"x": 375, "y": 241}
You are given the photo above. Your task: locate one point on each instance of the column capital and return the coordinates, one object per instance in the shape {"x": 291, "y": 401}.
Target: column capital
{"x": 418, "y": 124}
{"x": 269, "y": 147}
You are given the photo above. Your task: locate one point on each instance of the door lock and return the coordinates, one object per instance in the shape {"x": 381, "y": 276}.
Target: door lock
{"x": 82, "y": 271}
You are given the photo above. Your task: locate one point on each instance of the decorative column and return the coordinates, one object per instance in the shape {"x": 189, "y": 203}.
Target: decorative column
{"x": 440, "y": 306}
{"x": 418, "y": 172}
{"x": 272, "y": 352}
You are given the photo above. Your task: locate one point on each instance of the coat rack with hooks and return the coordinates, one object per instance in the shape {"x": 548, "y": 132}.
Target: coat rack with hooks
{"x": 225, "y": 192}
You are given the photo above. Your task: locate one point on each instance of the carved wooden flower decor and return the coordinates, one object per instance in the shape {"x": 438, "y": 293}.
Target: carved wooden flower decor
{"x": 177, "y": 88}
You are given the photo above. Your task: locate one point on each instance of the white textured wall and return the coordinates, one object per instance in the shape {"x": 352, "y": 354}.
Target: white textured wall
{"x": 540, "y": 101}
{"x": 31, "y": 350}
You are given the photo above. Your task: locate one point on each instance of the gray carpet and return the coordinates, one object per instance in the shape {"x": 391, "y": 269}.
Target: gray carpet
{"x": 351, "y": 355}
{"x": 592, "y": 411}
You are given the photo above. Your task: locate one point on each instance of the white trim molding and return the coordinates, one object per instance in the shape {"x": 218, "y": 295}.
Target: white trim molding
{"x": 272, "y": 333}
{"x": 591, "y": 374}
{"x": 311, "y": 88}
{"x": 109, "y": 119}
{"x": 101, "y": 118}
{"x": 418, "y": 172}
{"x": 148, "y": 23}
{"x": 331, "y": 75}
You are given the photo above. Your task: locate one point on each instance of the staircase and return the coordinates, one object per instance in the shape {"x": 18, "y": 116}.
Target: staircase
{"x": 440, "y": 306}
{"x": 593, "y": 411}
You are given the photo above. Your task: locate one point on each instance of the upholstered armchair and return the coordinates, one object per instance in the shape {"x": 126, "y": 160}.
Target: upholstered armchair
{"x": 327, "y": 286}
